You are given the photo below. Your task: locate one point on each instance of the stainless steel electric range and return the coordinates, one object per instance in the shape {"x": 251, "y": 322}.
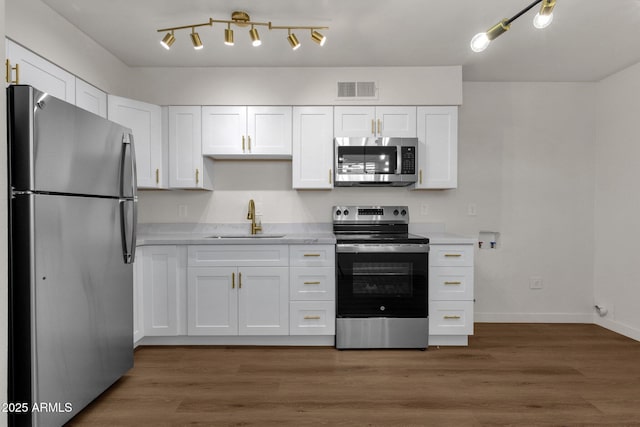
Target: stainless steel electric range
{"x": 381, "y": 279}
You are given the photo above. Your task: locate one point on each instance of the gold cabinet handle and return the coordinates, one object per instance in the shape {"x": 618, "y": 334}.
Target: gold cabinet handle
{"x": 330, "y": 177}
{"x": 9, "y": 68}
{"x": 452, "y": 317}
{"x": 311, "y": 254}
{"x": 157, "y": 176}
{"x": 453, "y": 283}
{"x": 311, "y": 283}
{"x": 233, "y": 280}
{"x": 420, "y": 176}
{"x": 311, "y": 317}
{"x": 379, "y": 127}
{"x": 239, "y": 280}
{"x": 373, "y": 127}
{"x": 249, "y": 141}
{"x": 453, "y": 255}
{"x": 243, "y": 143}
{"x": 197, "y": 176}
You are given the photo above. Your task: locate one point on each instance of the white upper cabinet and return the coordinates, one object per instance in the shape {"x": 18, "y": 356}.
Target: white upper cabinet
{"x": 186, "y": 168}
{"x": 145, "y": 121}
{"x": 312, "y": 163}
{"x": 438, "y": 149}
{"x": 375, "y": 121}
{"x": 38, "y": 72}
{"x": 236, "y": 132}
{"x": 91, "y": 98}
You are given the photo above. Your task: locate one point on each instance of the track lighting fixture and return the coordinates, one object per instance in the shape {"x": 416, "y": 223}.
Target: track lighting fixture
{"x": 242, "y": 19}
{"x": 481, "y": 41}
{"x": 168, "y": 40}
{"x": 195, "y": 39}
{"x": 255, "y": 38}
{"x": 293, "y": 41}
{"x": 228, "y": 36}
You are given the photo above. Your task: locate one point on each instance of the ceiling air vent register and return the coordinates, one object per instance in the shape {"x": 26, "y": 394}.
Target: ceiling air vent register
{"x": 357, "y": 90}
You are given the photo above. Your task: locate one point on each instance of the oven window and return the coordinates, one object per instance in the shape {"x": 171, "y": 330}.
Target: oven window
{"x": 382, "y": 279}
{"x": 381, "y": 284}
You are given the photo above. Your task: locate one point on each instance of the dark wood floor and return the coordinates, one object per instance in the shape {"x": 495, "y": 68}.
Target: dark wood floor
{"x": 511, "y": 374}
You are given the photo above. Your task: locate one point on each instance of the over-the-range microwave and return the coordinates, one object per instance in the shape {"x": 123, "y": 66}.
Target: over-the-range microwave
{"x": 375, "y": 161}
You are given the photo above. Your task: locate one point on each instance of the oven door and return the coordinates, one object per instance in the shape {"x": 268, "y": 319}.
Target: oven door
{"x": 385, "y": 280}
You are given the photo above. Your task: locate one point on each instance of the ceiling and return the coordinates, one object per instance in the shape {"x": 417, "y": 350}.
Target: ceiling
{"x": 587, "y": 41}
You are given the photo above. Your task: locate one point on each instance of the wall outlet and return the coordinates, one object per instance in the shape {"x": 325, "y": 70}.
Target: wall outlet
{"x": 182, "y": 211}
{"x": 424, "y": 209}
{"x": 536, "y": 282}
{"x": 472, "y": 209}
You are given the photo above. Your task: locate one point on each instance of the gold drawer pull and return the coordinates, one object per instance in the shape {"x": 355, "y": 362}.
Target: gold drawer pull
{"x": 453, "y": 255}
{"x": 330, "y": 176}
{"x": 157, "y": 176}
{"x": 311, "y": 317}
{"x": 197, "y": 176}
{"x": 233, "y": 280}
{"x": 311, "y": 254}
{"x": 249, "y": 142}
{"x": 373, "y": 127}
{"x": 243, "y": 143}
{"x": 311, "y": 283}
{"x": 453, "y": 283}
{"x": 420, "y": 176}
{"x": 379, "y": 127}
{"x": 452, "y": 317}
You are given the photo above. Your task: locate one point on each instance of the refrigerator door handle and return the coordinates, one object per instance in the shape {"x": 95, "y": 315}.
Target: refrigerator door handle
{"x": 128, "y": 230}
{"x": 128, "y": 168}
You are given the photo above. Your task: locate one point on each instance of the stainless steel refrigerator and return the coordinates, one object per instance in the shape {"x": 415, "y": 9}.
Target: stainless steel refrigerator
{"x": 72, "y": 219}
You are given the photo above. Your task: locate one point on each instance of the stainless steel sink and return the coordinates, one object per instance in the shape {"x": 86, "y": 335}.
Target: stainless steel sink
{"x": 246, "y": 236}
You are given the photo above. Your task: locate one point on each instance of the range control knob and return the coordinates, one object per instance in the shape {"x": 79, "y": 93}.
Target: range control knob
{"x": 403, "y": 212}
{"x": 346, "y": 212}
{"x": 382, "y": 308}
{"x": 395, "y": 212}
{"x": 338, "y": 212}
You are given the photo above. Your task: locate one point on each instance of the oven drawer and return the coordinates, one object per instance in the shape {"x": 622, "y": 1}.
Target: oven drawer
{"x": 312, "y": 283}
{"x": 312, "y": 318}
{"x": 451, "y": 283}
{"x": 312, "y": 255}
{"x": 451, "y": 318}
{"x": 450, "y": 255}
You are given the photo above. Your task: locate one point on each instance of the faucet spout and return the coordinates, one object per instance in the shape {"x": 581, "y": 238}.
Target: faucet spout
{"x": 251, "y": 214}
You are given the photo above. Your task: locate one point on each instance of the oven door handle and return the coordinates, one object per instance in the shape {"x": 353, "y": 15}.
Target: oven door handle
{"x": 384, "y": 248}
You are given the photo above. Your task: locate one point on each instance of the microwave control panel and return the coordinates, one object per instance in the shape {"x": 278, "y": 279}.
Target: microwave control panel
{"x": 408, "y": 160}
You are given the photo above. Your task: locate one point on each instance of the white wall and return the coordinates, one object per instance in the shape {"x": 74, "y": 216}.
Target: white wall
{"x": 526, "y": 160}
{"x": 617, "y": 201}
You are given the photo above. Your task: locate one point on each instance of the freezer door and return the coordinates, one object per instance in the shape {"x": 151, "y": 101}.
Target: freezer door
{"x": 80, "y": 302}
{"x": 58, "y": 147}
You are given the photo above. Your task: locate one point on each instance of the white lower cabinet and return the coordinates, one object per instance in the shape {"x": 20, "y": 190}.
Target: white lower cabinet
{"x": 238, "y": 290}
{"x": 163, "y": 278}
{"x": 450, "y": 294}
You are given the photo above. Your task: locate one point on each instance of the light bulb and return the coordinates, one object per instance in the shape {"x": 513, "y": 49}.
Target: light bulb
{"x": 542, "y": 21}
{"x": 479, "y": 42}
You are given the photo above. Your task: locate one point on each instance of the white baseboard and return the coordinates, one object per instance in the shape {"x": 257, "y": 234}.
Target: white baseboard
{"x": 533, "y": 317}
{"x": 618, "y": 327}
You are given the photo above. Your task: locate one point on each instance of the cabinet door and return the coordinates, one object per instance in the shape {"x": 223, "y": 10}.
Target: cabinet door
{"x": 160, "y": 282}
{"x": 263, "y": 301}
{"x": 269, "y": 131}
{"x": 41, "y": 74}
{"x": 224, "y": 131}
{"x": 312, "y": 164}
{"x": 185, "y": 147}
{"x": 91, "y": 98}
{"x": 145, "y": 122}
{"x": 396, "y": 121}
{"x": 438, "y": 150}
{"x": 212, "y": 301}
{"x": 354, "y": 121}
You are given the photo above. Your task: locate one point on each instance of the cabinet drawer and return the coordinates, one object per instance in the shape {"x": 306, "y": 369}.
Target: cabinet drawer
{"x": 451, "y": 283}
{"x": 312, "y": 283}
{"x": 451, "y": 317}
{"x": 312, "y": 318}
{"x": 312, "y": 255}
{"x": 239, "y": 255}
{"x": 450, "y": 255}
